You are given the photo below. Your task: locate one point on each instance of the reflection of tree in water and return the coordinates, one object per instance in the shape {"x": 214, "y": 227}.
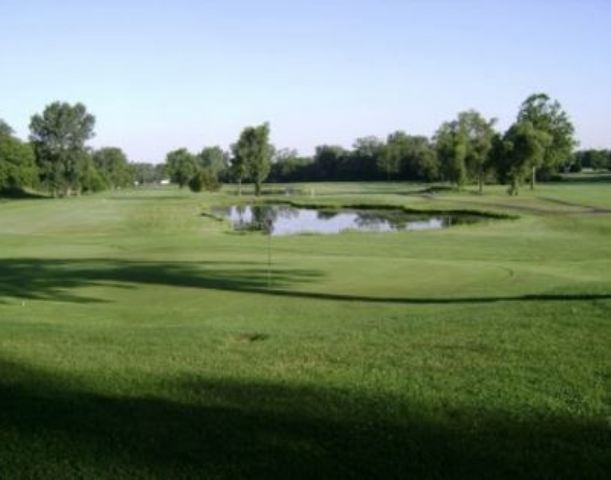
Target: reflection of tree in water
{"x": 369, "y": 221}
{"x": 263, "y": 217}
{"x": 326, "y": 214}
{"x": 260, "y": 217}
{"x": 285, "y": 211}
{"x": 398, "y": 220}
{"x": 376, "y": 220}
{"x": 244, "y": 218}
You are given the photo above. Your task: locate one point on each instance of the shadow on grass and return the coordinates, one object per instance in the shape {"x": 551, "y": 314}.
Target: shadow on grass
{"x": 50, "y": 279}
{"x": 19, "y": 194}
{"x": 37, "y": 279}
{"x": 145, "y": 197}
{"x": 230, "y": 429}
{"x": 593, "y": 177}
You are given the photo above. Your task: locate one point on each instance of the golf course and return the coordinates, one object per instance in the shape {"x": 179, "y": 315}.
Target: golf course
{"x": 141, "y": 336}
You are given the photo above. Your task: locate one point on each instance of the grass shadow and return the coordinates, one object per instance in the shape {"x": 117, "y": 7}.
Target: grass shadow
{"x": 20, "y": 194}
{"x": 232, "y": 429}
{"x": 55, "y": 279}
{"x": 593, "y": 177}
{"x": 58, "y": 280}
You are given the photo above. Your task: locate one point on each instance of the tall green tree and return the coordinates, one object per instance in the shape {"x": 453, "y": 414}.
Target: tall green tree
{"x": 17, "y": 162}
{"x": 524, "y": 146}
{"x": 239, "y": 168}
{"x": 415, "y": 155}
{"x": 463, "y": 147}
{"x": 252, "y": 153}
{"x": 451, "y": 142}
{"x": 421, "y": 162}
{"x": 181, "y": 166}
{"x": 366, "y": 152}
{"x": 393, "y": 153}
{"x": 480, "y": 135}
{"x": 113, "y": 167}
{"x": 547, "y": 116}
{"x": 59, "y": 136}
{"x": 90, "y": 178}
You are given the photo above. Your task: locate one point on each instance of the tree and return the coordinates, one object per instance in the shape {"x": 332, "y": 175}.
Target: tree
{"x": 548, "y": 117}
{"x": 496, "y": 157}
{"x": 5, "y": 129}
{"x": 148, "y": 172}
{"x": 17, "y": 162}
{"x": 391, "y": 156}
{"x": 370, "y": 146}
{"x": 451, "y": 142}
{"x": 181, "y": 166}
{"x": 252, "y": 155}
{"x": 215, "y": 159}
{"x": 480, "y": 134}
{"x": 596, "y": 159}
{"x": 90, "y": 179}
{"x": 204, "y": 179}
{"x": 422, "y": 162}
{"x": 59, "y": 137}
{"x": 524, "y": 146}
{"x": 113, "y": 167}
{"x": 328, "y": 161}
{"x": 463, "y": 147}
{"x": 288, "y": 166}
{"x": 239, "y": 168}
{"x": 366, "y": 152}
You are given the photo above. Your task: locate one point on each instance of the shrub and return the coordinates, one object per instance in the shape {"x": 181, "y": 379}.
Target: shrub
{"x": 204, "y": 179}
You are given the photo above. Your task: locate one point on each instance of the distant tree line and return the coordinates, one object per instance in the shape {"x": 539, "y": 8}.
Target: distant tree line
{"x": 147, "y": 173}
{"x": 590, "y": 159}
{"x": 465, "y": 150}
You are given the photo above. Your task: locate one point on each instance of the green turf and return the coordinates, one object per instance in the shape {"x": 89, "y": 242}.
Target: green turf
{"x": 140, "y": 339}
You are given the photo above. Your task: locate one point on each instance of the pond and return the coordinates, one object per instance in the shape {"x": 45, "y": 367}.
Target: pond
{"x": 281, "y": 219}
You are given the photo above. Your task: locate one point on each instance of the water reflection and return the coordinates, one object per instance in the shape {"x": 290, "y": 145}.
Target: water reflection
{"x": 289, "y": 220}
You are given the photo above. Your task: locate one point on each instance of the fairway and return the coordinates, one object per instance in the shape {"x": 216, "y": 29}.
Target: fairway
{"x": 142, "y": 338}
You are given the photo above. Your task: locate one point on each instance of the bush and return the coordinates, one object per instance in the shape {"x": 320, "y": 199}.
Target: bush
{"x": 204, "y": 180}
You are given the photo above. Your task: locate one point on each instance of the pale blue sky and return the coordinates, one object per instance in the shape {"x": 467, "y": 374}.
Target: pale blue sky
{"x": 160, "y": 75}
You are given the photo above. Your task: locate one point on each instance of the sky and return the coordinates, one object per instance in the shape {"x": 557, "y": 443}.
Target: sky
{"x": 161, "y": 75}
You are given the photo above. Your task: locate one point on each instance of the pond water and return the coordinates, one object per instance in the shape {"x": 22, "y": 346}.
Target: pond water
{"x": 282, "y": 219}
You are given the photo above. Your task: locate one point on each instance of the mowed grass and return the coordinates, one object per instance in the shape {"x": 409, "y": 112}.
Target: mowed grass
{"x": 140, "y": 339}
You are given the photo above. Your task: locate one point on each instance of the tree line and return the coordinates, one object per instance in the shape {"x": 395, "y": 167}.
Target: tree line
{"x": 466, "y": 150}
{"x": 592, "y": 159}
{"x": 250, "y": 159}
{"x": 56, "y": 159}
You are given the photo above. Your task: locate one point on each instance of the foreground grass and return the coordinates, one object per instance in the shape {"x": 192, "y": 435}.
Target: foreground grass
{"x": 139, "y": 339}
